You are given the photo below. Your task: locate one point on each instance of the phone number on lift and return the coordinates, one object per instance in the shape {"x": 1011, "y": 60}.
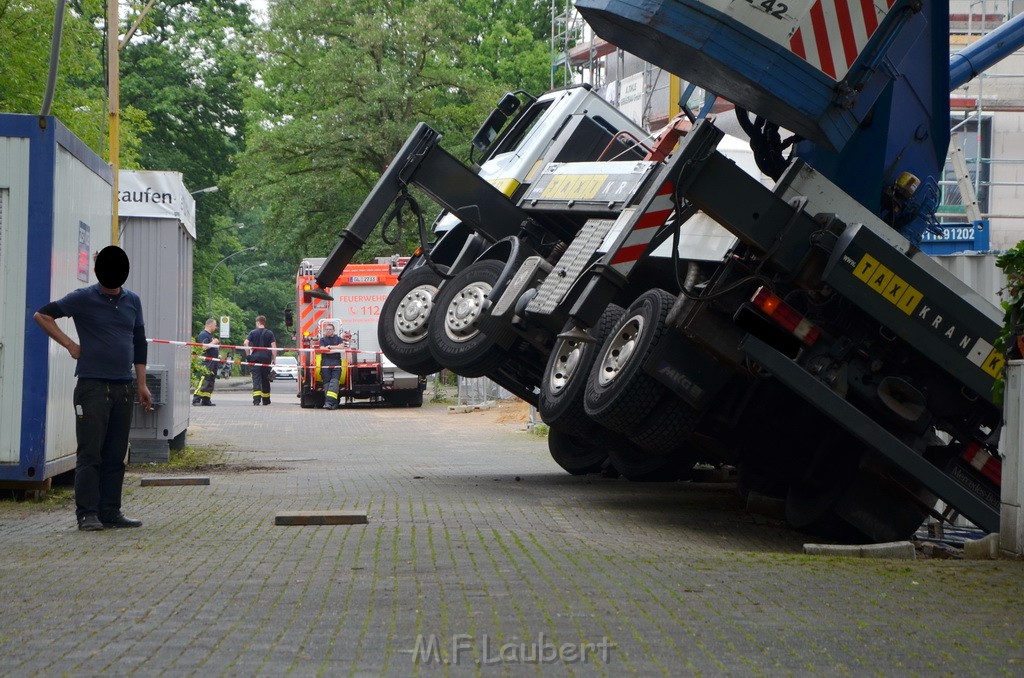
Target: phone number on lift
{"x": 951, "y": 234}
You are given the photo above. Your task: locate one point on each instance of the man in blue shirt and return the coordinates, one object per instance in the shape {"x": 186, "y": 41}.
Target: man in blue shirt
{"x": 210, "y": 363}
{"x": 111, "y": 339}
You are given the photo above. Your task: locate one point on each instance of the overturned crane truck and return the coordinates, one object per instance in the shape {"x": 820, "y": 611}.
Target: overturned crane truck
{"x": 666, "y": 312}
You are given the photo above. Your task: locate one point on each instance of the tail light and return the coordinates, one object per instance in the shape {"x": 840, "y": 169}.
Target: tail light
{"x": 983, "y": 462}
{"x": 786, "y": 316}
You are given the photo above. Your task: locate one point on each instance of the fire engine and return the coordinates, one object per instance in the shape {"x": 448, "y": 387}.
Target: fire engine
{"x": 353, "y": 305}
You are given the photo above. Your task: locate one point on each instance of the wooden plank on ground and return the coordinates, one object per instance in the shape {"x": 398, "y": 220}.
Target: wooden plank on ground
{"x": 175, "y": 480}
{"x": 27, "y": 485}
{"x": 320, "y": 518}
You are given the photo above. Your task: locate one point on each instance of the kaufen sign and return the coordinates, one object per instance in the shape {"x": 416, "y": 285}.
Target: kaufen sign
{"x": 159, "y": 195}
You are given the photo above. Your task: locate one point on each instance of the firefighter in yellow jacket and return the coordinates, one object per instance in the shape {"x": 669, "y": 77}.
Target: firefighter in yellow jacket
{"x": 333, "y": 348}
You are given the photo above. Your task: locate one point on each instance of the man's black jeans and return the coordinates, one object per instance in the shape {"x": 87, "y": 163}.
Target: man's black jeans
{"x": 103, "y": 419}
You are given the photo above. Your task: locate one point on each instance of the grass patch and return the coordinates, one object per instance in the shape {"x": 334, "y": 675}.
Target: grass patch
{"x": 539, "y": 430}
{"x": 189, "y": 458}
{"x": 57, "y": 497}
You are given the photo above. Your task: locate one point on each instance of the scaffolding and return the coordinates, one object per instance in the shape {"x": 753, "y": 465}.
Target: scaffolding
{"x": 972, "y": 111}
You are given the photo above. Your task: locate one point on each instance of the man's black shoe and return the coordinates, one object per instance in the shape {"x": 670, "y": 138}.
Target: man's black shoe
{"x": 90, "y": 523}
{"x": 121, "y": 521}
{"x": 196, "y": 401}
{"x": 256, "y": 402}
{"x": 207, "y": 403}
{"x": 266, "y": 401}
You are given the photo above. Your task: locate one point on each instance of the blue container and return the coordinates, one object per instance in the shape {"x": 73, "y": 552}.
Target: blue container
{"x": 56, "y": 206}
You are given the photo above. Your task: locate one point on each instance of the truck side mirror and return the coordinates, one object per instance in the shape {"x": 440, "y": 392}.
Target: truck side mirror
{"x": 507, "y": 106}
{"x": 488, "y": 131}
{"x": 509, "y": 103}
{"x": 289, "y": 319}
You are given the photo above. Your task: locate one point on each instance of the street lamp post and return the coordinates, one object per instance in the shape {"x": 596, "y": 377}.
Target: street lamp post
{"x": 208, "y": 189}
{"x": 214, "y": 269}
{"x": 246, "y": 269}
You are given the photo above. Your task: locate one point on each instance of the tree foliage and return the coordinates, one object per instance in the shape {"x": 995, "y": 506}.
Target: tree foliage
{"x": 344, "y": 85}
{"x": 188, "y": 69}
{"x": 80, "y": 95}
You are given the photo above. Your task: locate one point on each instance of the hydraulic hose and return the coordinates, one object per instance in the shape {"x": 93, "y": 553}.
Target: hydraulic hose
{"x": 51, "y": 78}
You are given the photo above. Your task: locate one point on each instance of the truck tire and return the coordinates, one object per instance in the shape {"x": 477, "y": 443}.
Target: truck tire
{"x": 455, "y": 341}
{"x": 565, "y": 377}
{"x": 848, "y": 495}
{"x": 670, "y": 422}
{"x": 402, "y": 330}
{"x": 813, "y": 492}
{"x": 639, "y": 465}
{"x": 576, "y": 454}
{"x": 619, "y": 393}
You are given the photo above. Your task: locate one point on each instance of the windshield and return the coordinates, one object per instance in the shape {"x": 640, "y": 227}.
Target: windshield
{"x": 286, "y": 360}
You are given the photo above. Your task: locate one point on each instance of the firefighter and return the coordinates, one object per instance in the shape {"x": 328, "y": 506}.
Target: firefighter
{"x": 209, "y": 368}
{"x": 261, "y": 346}
{"x": 330, "y": 364}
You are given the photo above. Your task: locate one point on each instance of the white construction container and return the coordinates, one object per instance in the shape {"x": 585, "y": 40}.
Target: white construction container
{"x": 55, "y": 214}
{"x": 158, "y": 231}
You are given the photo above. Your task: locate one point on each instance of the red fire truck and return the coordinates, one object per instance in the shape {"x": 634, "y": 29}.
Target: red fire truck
{"x": 353, "y": 305}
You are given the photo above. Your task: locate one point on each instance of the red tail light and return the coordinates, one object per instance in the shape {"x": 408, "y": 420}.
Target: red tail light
{"x": 786, "y": 316}
{"x": 983, "y": 462}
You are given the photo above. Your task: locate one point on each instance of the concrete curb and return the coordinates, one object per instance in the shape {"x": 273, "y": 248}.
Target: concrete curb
{"x": 462, "y": 409}
{"x": 986, "y": 548}
{"x": 897, "y": 550}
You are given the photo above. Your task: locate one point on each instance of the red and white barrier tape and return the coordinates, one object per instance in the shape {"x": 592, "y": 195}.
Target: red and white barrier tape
{"x": 256, "y": 348}
{"x": 243, "y": 362}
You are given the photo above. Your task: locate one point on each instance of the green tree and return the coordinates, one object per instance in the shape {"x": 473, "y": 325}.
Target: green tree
{"x": 188, "y": 68}
{"x": 344, "y": 84}
{"x": 512, "y": 39}
{"x": 80, "y": 96}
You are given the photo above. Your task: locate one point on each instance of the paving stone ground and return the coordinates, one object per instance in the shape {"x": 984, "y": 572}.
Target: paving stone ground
{"x": 481, "y": 557}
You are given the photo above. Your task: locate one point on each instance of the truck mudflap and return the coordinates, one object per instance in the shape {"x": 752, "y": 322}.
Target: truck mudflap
{"x": 946, "y": 488}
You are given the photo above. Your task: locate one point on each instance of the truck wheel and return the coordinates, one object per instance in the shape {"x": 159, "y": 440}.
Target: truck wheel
{"x": 639, "y": 465}
{"x": 402, "y": 330}
{"x": 814, "y": 492}
{"x": 671, "y": 421}
{"x": 619, "y": 394}
{"x": 565, "y": 377}
{"x": 847, "y": 496}
{"x": 881, "y": 508}
{"x": 455, "y": 340}
{"x": 576, "y": 454}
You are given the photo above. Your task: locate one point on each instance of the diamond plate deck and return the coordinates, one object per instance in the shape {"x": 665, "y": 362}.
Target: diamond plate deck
{"x": 570, "y": 266}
